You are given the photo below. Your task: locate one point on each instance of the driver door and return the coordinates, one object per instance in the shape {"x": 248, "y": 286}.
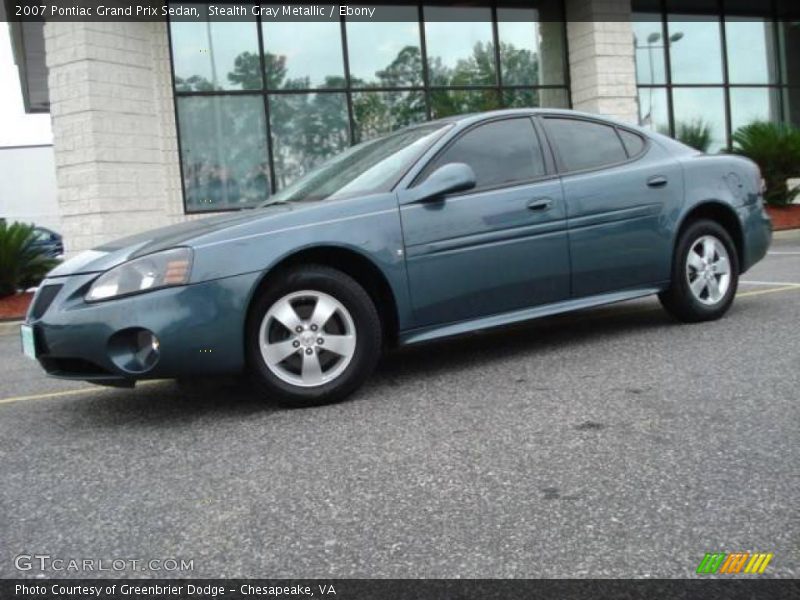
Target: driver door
{"x": 498, "y": 247}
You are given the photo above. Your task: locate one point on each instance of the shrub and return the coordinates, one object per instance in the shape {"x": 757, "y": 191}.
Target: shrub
{"x": 775, "y": 148}
{"x": 696, "y": 134}
{"x": 22, "y": 263}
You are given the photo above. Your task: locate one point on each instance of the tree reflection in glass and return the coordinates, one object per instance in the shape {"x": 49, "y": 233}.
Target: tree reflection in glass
{"x": 223, "y": 138}
{"x": 223, "y": 151}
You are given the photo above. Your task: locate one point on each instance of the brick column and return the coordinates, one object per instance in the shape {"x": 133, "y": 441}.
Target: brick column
{"x": 601, "y": 58}
{"x": 116, "y": 156}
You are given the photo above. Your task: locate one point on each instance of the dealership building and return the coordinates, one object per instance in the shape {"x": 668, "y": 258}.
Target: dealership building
{"x": 156, "y": 122}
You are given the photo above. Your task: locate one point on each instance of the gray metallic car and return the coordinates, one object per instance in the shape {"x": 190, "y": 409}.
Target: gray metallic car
{"x": 437, "y": 230}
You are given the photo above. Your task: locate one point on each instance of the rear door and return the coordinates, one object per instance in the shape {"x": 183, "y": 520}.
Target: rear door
{"x": 620, "y": 190}
{"x": 498, "y": 247}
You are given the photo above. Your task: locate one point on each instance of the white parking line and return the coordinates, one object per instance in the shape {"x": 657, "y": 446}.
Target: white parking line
{"x": 783, "y": 252}
{"x": 790, "y": 283}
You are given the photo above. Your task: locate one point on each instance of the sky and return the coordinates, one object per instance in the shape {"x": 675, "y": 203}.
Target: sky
{"x": 16, "y": 127}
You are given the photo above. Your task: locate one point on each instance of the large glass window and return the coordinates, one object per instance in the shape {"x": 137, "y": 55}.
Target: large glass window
{"x": 261, "y": 103}
{"x": 695, "y": 49}
{"x": 385, "y": 54}
{"x": 700, "y": 113}
{"x": 750, "y": 104}
{"x": 214, "y": 56}
{"x": 648, "y": 41}
{"x": 223, "y": 151}
{"x": 460, "y": 46}
{"x": 531, "y": 52}
{"x": 703, "y": 72}
{"x": 750, "y": 44}
{"x": 378, "y": 113}
{"x": 303, "y": 55}
{"x": 306, "y": 129}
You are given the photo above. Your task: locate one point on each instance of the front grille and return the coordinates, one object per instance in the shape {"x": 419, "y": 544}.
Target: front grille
{"x": 43, "y": 299}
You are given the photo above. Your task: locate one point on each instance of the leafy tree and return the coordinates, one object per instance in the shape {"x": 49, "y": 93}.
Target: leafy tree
{"x": 308, "y": 127}
{"x": 404, "y": 71}
{"x": 520, "y": 65}
{"x": 195, "y": 83}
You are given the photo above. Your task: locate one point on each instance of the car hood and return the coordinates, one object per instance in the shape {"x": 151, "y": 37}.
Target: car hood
{"x": 114, "y": 253}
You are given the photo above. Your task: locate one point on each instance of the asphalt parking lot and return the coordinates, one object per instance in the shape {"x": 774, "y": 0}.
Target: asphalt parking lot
{"x": 610, "y": 443}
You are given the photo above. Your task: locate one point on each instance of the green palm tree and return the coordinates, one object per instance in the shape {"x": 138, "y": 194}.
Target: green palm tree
{"x": 775, "y": 148}
{"x": 22, "y": 263}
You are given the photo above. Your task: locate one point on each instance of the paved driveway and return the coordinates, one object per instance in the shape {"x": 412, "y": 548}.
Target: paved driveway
{"x": 613, "y": 442}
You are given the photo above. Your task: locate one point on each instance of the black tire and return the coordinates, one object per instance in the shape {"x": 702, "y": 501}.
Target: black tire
{"x": 368, "y": 337}
{"x": 678, "y": 299}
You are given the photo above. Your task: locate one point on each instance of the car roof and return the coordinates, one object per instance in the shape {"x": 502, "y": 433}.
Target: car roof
{"x": 476, "y": 117}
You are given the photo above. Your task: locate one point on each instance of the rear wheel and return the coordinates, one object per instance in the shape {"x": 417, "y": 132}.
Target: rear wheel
{"x": 705, "y": 274}
{"x": 313, "y": 337}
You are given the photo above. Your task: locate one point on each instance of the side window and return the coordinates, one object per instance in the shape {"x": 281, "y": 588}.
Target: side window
{"x": 634, "y": 143}
{"x": 500, "y": 153}
{"x": 585, "y": 144}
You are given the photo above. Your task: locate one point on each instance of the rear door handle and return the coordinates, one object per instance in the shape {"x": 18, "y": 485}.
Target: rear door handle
{"x": 540, "y": 203}
{"x": 657, "y": 181}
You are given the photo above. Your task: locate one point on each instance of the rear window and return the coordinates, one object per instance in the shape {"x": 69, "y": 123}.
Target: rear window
{"x": 585, "y": 144}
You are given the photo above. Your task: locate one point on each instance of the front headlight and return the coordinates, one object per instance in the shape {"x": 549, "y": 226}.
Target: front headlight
{"x": 158, "y": 270}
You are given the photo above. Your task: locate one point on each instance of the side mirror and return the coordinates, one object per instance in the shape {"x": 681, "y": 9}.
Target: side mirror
{"x": 447, "y": 179}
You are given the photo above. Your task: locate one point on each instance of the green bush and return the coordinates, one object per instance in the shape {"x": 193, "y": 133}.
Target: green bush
{"x": 22, "y": 264}
{"x": 696, "y": 134}
{"x": 775, "y": 148}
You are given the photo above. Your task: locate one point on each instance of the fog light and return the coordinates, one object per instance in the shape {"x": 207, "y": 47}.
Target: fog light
{"x": 134, "y": 350}
{"x": 146, "y": 348}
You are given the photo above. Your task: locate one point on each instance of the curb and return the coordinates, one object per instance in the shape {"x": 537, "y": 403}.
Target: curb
{"x": 10, "y": 327}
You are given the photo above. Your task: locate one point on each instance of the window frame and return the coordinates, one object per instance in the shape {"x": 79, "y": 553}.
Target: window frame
{"x": 550, "y": 172}
{"x": 425, "y": 88}
{"x": 561, "y": 166}
{"x": 771, "y": 15}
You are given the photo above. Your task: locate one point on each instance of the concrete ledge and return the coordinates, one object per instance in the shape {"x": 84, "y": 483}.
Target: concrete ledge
{"x": 10, "y": 327}
{"x": 787, "y": 234}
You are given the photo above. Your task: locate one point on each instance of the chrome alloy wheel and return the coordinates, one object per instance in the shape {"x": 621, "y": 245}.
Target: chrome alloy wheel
{"x": 307, "y": 338}
{"x": 708, "y": 270}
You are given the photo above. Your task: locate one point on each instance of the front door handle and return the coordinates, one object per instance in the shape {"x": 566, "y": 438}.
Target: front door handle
{"x": 540, "y": 203}
{"x": 657, "y": 181}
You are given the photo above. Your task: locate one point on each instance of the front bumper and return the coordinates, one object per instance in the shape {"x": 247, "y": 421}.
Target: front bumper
{"x": 200, "y": 329}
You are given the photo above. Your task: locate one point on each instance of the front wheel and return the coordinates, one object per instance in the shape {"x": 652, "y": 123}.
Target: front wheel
{"x": 313, "y": 337}
{"x": 705, "y": 274}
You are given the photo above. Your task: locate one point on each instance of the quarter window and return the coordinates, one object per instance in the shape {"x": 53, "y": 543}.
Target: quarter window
{"x": 500, "y": 153}
{"x": 585, "y": 144}
{"x": 634, "y": 143}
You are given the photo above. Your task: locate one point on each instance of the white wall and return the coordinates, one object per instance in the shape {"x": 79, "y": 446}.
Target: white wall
{"x": 28, "y": 186}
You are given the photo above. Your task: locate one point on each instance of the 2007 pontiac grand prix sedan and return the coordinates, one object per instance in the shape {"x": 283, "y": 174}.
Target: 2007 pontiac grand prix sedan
{"x": 439, "y": 229}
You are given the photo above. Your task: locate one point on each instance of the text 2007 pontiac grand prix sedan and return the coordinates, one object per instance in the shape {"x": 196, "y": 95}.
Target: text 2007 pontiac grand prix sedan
{"x": 439, "y": 229}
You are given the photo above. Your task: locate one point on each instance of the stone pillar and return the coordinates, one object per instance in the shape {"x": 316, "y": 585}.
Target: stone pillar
{"x": 113, "y": 129}
{"x": 601, "y": 58}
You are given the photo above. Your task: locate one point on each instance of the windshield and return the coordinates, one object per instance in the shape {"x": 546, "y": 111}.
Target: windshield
{"x": 370, "y": 167}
